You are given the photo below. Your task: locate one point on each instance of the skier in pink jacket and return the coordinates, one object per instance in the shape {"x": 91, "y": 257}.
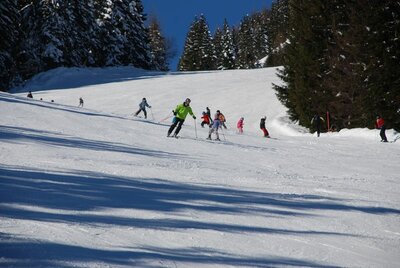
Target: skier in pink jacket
{"x": 240, "y": 125}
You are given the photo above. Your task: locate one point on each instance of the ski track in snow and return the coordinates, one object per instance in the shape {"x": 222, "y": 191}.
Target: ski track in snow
{"x": 98, "y": 187}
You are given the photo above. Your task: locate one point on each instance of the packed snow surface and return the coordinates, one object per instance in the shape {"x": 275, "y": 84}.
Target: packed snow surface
{"x": 97, "y": 187}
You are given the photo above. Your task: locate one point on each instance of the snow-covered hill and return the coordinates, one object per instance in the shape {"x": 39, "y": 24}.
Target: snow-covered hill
{"x": 96, "y": 187}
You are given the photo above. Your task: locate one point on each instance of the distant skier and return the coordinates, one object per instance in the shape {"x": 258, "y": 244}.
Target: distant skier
{"x": 316, "y": 120}
{"x": 208, "y": 112}
{"x": 380, "y": 124}
{"x": 142, "y": 107}
{"x": 80, "y": 102}
{"x": 222, "y": 119}
{"x": 180, "y": 112}
{"x": 215, "y": 126}
{"x": 206, "y": 119}
{"x": 29, "y": 95}
{"x": 262, "y": 127}
{"x": 239, "y": 125}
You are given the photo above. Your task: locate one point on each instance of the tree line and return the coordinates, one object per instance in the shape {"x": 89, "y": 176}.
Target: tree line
{"x": 338, "y": 56}
{"x": 341, "y": 57}
{"x": 40, "y": 35}
{"x": 240, "y": 47}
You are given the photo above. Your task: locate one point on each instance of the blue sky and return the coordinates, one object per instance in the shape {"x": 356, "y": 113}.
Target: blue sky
{"x": 175, "y": 16}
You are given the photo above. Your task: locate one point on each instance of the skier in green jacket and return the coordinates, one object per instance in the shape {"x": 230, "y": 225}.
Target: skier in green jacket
{"x": 180, "y": 113}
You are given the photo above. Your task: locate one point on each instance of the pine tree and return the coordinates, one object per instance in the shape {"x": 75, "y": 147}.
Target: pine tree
{"x": 277, "y": 31}
{"x": 260, "y": 21}
{"x": 199, "y": 51}
{"x": 81, "y": 32}
{"x": 158, "y": 46}
{"x": 228, "y": 47}
{"x": 246, "y": 44}
{"x": 383, "y": 74}
{"x": 8, "y": 32}
{"x": 218, "y": 46}
{"x": 303, "y": 92}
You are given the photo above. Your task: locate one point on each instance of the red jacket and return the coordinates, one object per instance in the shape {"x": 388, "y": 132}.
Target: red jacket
{"x": 206, "y": 118}
{"x": 380, "y": 122}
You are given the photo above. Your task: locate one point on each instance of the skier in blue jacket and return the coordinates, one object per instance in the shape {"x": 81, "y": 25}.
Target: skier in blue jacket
{"x": 142, "y": 107}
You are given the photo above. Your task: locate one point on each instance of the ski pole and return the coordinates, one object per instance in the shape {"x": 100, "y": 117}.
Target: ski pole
{"x": 223, "y": 135}
{"x": 195, "y": 127}
{"x": 152, "y": 113}
{"x": 168, "y": 116}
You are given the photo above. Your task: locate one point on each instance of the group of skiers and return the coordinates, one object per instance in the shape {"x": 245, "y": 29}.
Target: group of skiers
{"x": 215, "y": 123}
{"x": 218, "y": 122}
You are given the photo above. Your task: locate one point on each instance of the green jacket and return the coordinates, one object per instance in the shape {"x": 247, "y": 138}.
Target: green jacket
{"x": 182, "y": 111}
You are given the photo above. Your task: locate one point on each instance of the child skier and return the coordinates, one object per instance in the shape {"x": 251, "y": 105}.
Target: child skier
{"x": 142, "y": 107}
{"x": 206, "y": 119}
{"x": 180, "y": 113}
{"x": 262, "y": 127}
{"x": 215, "y": 126}
{"x": 240, "y": 125}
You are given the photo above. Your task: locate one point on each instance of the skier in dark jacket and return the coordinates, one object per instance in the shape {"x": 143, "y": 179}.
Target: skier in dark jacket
{"x": 380, "y": 124}
{"x": 142, "y": 107}
{"x": 262, "y": 127}
{"x": 29, "y": 95}
{"x": 208, "y": 112}
{"x": 180, "y": 112}
{"x": 80, "y": 102}
{"x": 316, "y": 120}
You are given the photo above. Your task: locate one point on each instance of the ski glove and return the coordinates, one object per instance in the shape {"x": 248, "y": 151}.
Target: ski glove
{"x": 173, "y": 112}
{"x": 194, "y": 117}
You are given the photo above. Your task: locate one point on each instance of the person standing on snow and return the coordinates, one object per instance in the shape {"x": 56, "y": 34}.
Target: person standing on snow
{"x": 142, "y": 107}
{"x": 180, "y": 112}
{"x": 380, "y": 124}
{"x": 316, "y": 120}
{"x": 215, "y": 126}
{"x": 240, "y": 124}
{"x": 29, "y": 95}
{"x": 222, "y": 120}
{"x": 206, "y": 119}
{"x": 80, "y": 102}
{"x": 208, "y": 112}
{"x": 262, "y": 127}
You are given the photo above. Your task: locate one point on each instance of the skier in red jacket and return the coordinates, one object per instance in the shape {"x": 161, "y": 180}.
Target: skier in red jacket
{"x": 380, "y": 124}
{"x": 206, "y": 119}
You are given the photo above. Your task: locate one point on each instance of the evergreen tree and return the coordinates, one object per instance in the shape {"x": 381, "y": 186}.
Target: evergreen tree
{"x": 138, "y": 48}
{"x": 199, "y": 51}
{"x": 260, "y": 21}
{"x": 246, "y": 58}
{"x": 228, "y": 47}
{"x": 277, "y": 29}
{"x": 9, "y": 33}
{"x": 80, "y": 33}
{"x": 218, "y": 47}
{"x": 382, "y": 71}
{"x": 158, "y": 46}
{"x": 111, "y": 38}
{"x": 303, "y": 92}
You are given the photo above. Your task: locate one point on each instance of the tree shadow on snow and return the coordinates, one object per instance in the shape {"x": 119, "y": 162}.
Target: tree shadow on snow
{"x": 18, "y": 134}
{"x": 33, "y": 253}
